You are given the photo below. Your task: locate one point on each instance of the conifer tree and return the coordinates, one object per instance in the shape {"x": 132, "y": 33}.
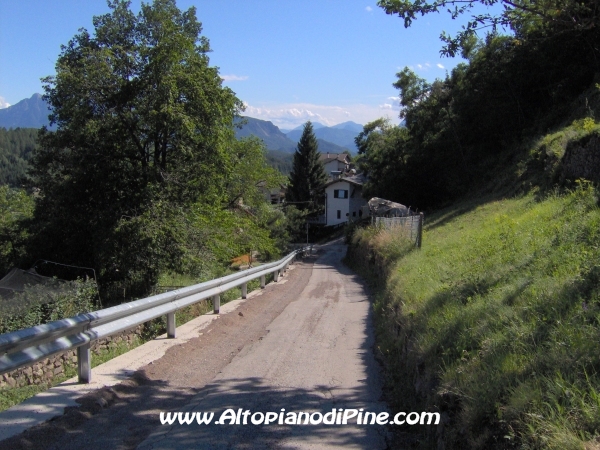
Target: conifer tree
{"x": 308, "y": 177}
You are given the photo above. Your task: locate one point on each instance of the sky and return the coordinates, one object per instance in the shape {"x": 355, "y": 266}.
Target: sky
{"x": 289, "y": 61}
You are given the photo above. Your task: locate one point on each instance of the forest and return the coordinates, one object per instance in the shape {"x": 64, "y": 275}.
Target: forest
{"x": 468, "y": 128}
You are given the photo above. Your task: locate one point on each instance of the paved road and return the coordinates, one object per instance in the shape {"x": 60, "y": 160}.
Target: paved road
{"x": 317, "y": 356}
{"x": 303, "y": 344}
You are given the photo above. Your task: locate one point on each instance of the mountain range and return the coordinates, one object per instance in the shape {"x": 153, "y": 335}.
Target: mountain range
{"x": 28, "y": 113}
{"x": 33, "y": 113}
{"x": 333, "y": 139}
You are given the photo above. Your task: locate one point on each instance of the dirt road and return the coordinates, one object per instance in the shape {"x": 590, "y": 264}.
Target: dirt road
{"x": 304, "y": 345}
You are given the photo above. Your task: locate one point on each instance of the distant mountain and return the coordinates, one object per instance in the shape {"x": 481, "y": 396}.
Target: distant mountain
{"x": 29, "y": 113}
{"x": 330, "y": 147}
{"x": 342, "y": 134}
{"x": 351, "y": 126}
{"x": 315, "y": 125}
{"x": 273, "y": 138}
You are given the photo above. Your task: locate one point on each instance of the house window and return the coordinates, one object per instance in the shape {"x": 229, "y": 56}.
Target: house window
{"x": 339, "y": 214}
{"x": 353, "y": 213}
{"x": 340, "y": 193}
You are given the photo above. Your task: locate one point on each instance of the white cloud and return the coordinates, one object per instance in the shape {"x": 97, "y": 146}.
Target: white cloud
{"x": 368, "y": 9}
{"x": 233, "y": 78}
{"x": 395, "y": 99}
{"x": 3, "y": 103}
{"x": 422, "y": 67}
{"x": 291, "y": 115}
{"x": 440, "y": 66}
{"x": 386, "y": 106}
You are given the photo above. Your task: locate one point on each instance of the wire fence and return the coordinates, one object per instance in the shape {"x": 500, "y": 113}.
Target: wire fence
{"x": 411, "y": 226}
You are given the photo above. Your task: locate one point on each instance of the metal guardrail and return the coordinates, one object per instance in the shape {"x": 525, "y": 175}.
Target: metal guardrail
{"x": 28, "y": 346}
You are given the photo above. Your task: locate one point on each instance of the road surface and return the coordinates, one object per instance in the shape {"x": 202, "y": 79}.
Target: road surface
{"x": 304, "y": 344}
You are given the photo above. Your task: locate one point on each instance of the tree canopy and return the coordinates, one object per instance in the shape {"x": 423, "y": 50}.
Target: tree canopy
{"x": 308, "y": 177}
{"x": 144, "y": 129}
{"x": 519, "y": 16}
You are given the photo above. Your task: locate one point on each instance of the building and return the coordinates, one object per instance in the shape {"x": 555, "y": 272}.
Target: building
{"x": 335, "y": 162}
{"x": 344, "y": 200}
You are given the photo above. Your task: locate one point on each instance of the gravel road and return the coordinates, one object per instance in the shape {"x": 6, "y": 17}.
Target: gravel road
{"x": 303, "y": 344}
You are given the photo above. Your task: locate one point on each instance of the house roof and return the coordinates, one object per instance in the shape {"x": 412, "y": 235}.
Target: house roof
{"x": 328, "y": 157}
{"x": 358, "y": 180}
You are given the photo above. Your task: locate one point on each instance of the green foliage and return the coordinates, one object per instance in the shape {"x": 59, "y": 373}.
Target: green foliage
{"x": 250, "y": 176}
{"x": 495, "y": 320}
{"x": 462, "y": 130}
{"x": 16, "y": 207}
{"x": 548, "y": 17}
{"x": 16, "y": 148}
{"x": 281, "y": 161}
{"x": 308, "y": 177}
{"x": 383, "y": 150}
{"x": 45, "y": 303}
{"x": 144, "y": 130}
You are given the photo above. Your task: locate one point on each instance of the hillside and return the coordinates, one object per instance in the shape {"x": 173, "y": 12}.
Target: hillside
{"x": 273, "y": 138}
{"x": 495, "y": 321}
{"x": 16, "y": 147}
{"x": 28, "y": 113}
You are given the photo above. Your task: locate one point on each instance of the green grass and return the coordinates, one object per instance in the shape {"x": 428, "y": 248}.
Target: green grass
{"x": 496, "y": 320}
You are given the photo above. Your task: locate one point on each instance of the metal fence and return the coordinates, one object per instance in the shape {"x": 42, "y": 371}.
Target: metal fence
{"x": 410, "y": 226}
{"x": 25, "y": 347}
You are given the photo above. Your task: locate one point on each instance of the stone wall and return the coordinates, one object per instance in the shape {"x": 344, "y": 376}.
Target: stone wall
{"x": 582, "y": 159}
{"x": 44, "y": 371}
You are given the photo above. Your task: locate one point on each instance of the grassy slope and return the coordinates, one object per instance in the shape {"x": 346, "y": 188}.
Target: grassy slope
{"x": 496, "y": 321}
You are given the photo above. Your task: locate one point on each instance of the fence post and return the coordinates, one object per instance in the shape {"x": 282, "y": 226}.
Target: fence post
{"x": 262, "y": 282}
{"x": 216, "y": 303}
{"x": 84, "y": 366}
{"x": 244, "y": 290}
{"x": 171, "y": 325}
{"x": 276, "y": 276}
{"x": 420, "y": 231}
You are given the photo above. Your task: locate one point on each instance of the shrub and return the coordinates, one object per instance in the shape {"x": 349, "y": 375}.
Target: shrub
{"x": 41, "y": 304}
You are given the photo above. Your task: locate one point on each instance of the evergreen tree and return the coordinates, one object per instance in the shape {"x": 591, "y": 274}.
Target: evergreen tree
{"x": 308, "y": 177}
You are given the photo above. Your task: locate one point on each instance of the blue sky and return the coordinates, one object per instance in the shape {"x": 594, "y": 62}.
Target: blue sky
{"x": 327, "y": 61}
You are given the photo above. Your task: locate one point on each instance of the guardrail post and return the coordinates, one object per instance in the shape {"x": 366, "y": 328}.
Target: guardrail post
{"x": 262, "y": 282}
{"x": 216, "y": 303}
{"x": 276, "y": 276}
{"x": 244, "y": 290}
{"x": 171, "y": 325}
{"x": 84, "y": 363}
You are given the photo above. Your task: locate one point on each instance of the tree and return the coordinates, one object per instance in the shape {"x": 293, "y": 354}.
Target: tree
{"x": 308, "y": 177}
{"x": 520, "y": 16}
{"x": 144, "y": 128}
{"x": 16, "y": 207}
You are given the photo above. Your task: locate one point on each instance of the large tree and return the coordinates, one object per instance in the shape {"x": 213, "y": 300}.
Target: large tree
{"x": 144, "y": 127}
{"x": 307, "y": 178}
{"x": 547, "y": 17}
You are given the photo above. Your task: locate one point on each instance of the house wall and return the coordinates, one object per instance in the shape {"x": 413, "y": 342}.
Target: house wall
{"x": 356, "y": 202}
{"x": 331, "y": 165}
{"x": 335, "y": 204}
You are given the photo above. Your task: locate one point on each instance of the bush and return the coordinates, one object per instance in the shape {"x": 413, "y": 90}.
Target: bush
{"x": 41, "y": 304}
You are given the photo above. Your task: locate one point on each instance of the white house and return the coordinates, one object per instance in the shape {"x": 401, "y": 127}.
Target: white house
{"x": 344, "y": 200}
